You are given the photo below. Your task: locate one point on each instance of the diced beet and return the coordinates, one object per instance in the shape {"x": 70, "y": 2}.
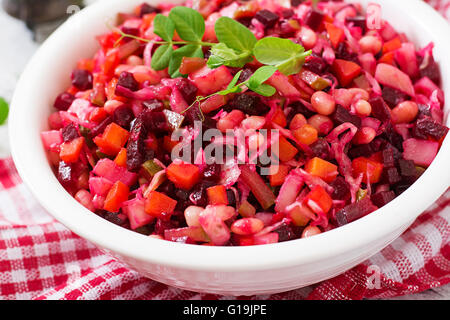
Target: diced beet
{"x": 391, "y": 176}
{"x": 395, "y": 152}
{"x": 182, "y": 195}
{"x": 69, "y": 132}
{"x": 296, "y": 3}
{"x": 320, "y": 149}
{"x": 188, "y": 90}
{"x": 393, "y": 97}
{"x": 155, "y": 121}
{"x": 341, "y": 189}
{"x": 267, "y": 18}
{"x": 147, "y": 9}
{"x": 64, "y": 101}
{"x": 424, "y": 111}
{"x": 343, "y": 53}
{"x": 212, "y": 172}
{"x": 118, "y": 219}
{"x": 231, "y": 198}
{"x": 342, "y": 115}
{"x": 388, "y": 158}
{"x": 355, "y": 211}
{"x": 287, "y": 13}
{"x": 428, "y": 127}
{"x": 82, "y": 79}
{"x": 379, "y": 109}
{"x": 315, "y": 64}
{"x": 98, "y": 129}
{"x": 358, "y": 21}
{"x": 364, "y": 150}
{"x": 287, "y": 232}
{"x": 136, "y": 145}
{"x": 382, "y": 198}
{"x": 154, "y": 105}
{"x": 299, "y": 107}
{"x": 123, "y": 116}
{"x": 162, "y": 225}
{"x": 249, "y": 104}
{"x": 245, "y": 75}
{"x": 65, "y": 174}
{"x": 193, "y": 115}
{"x": 407, "y": 170}
{"x": 400, "y": 188}
{"x": 393, "y": 137}
{"x": 431, "y": 71}
{"x": 133, "y": 31}
{"x": 314, "y": 19}
{"x": 198, "y": 195}
{"x": 127, "y": 80}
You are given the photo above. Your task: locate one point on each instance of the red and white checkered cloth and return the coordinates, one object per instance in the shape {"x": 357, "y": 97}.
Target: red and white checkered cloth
{"x": 41, "y": 259}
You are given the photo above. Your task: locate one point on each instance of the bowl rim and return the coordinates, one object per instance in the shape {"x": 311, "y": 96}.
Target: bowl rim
{"x": 228, "y": 259}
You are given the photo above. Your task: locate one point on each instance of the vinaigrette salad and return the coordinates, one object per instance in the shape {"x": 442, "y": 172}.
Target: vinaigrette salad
{"x": 323, "y": 110}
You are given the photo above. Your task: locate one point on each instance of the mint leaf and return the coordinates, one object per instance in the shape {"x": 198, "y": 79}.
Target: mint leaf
{"x": 215, "y": 62}
{"x": 234, "y": 35}
{"x": 4, "y": 110}
{"x": 264, "y": 90}
{"x": 190, "y": 50}
{"x": 161, "y": 57}
{"x": 260, "y": 76}
{"x": 234, "y": 80}
{"x": 228, "y": 57}
{"x": 164, "y": 27}
{"x": 189, "y": 24}
{"x": 284, "y": 54}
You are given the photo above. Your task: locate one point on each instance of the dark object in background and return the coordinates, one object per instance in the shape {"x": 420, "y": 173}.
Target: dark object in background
{"x": 42, "y": 16}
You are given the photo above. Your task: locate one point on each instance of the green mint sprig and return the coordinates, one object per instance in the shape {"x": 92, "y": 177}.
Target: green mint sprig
{"x": 237, "y": 45}
{"x": 4, "y": 111}
{"x": 255, "y": 83}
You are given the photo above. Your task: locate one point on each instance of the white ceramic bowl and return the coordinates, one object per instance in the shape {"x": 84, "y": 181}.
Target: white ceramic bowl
{"x": 223, "y": 270}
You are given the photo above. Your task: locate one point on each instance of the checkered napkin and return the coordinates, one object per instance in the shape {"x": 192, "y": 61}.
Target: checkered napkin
{"x": 41, "y": 259}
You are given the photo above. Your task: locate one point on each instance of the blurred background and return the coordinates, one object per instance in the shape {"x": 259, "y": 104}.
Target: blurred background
{"x": 24, "y": 24}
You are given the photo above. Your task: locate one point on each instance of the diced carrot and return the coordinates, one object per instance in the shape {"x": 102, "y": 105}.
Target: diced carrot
{"x": 388, "y": 57}
{"x": 121, "y": 158}
{"x": 371, "y": 170}
{"x": 318, "y": 200}
{"x": 72, "y": 90}
{"x": 277, "y": 116}
{"x": 306, "y": 134}
{"x": 159, "y": 205}
{"x": 183, "y": 175}
{"x": 345, "y": 71}
{"x": 277, "y": 174}
{"x": 112, "y": 60}
{"x": 322, "y": 169}
{"x": 86, "y": 64}
{"x": 98, "y": 115}
{"x": 191, "y": 64}
{"x": 335, "y": 34}
{"x": 297, "y": 122}
{"x": 116, "y": 196}
{"x": 113, "y": 139}
{"x": 147, "y": 21}
{"x": 70, "y": 151}
{"x": 169, "y": 144}
{"x": 217, "y": 195}
{"x": 286, "y": 150}
{"x": 392, "y": 45}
